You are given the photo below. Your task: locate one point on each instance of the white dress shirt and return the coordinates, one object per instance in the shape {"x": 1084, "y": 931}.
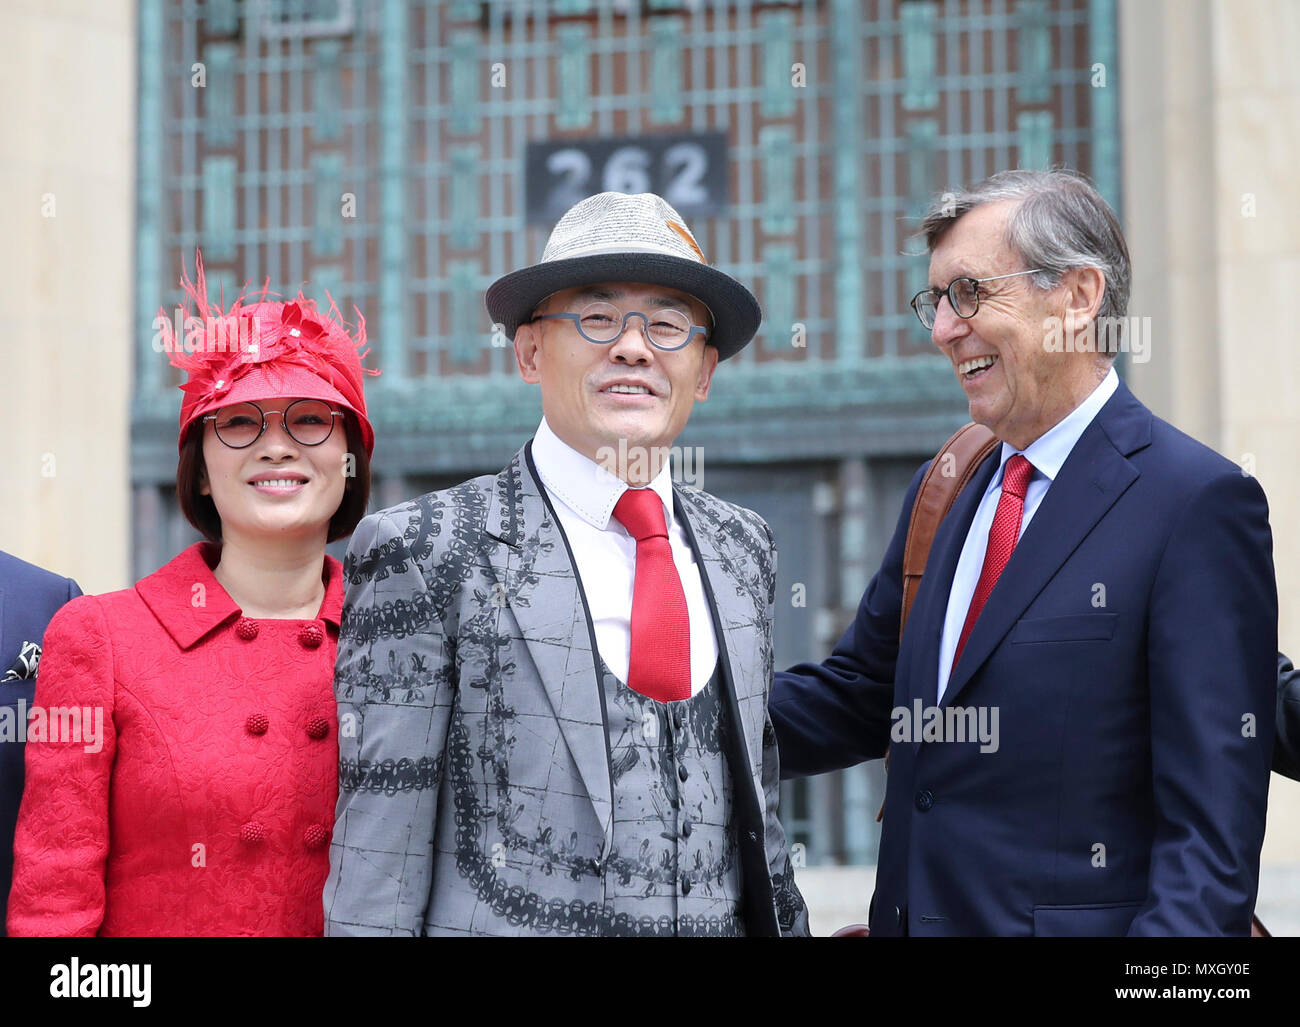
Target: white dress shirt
{"x": 1047, "y": 453}
{"x": 584, "y": 495}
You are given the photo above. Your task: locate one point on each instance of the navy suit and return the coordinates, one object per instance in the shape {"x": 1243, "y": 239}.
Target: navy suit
{"x": 29, "y": 597}
{"x": 1286, "y": 750}
{"x": 1129, "y": 651}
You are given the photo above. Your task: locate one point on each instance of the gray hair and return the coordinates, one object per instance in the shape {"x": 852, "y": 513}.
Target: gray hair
{"x": 1060, "y": 223}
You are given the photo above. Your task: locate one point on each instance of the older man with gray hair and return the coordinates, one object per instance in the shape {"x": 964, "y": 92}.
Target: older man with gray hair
{"x": 1100, "y": 595}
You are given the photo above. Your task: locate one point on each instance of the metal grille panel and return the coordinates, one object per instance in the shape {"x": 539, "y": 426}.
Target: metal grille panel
{"x": 377, "y": 150}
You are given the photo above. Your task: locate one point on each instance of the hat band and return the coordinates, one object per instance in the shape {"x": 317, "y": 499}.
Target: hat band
{"x": 604, "y": 249}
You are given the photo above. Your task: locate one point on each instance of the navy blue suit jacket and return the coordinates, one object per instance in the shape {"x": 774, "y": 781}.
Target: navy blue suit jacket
{"x": 1286, "y": 750}
{"x": 1129, "y": 649}
{"x": 29, "y": 597}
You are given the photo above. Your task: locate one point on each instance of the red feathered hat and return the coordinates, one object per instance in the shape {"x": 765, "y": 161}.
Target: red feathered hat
{"x": 265, "y": 350}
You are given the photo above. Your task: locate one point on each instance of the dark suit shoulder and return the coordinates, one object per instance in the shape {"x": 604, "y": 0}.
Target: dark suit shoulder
{"x": 16, "y": 573}
{"x": 1183, "y": 460}
{"x": 1286, "y": 749}
{"x": 39, "y": 594}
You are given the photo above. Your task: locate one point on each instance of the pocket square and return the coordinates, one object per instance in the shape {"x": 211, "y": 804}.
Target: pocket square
{"x": 29, "y": 657}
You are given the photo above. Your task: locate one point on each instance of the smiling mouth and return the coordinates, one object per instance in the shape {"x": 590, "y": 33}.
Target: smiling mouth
{"x": 970, "y": 370}
{"x": 279, "y": 485}
{"x": 628, "y": 390}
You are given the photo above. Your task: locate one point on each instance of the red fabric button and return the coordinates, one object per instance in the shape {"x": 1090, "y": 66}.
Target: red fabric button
{"x": 318, "y": 727}
{"x": 252, "y": 833}
{"x": 246, "y": 628}
{"x": 311, "y": 636}
{"x": 315, "y": 836}
{"x": 256, "y": 724}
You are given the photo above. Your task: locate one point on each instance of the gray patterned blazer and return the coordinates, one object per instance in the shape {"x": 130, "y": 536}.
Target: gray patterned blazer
{"x": 475, "y": 792}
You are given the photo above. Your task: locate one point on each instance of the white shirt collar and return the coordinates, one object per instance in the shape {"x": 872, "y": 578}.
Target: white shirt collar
{"x": 1049, "y": 451}
{"x": 583, "y": 485}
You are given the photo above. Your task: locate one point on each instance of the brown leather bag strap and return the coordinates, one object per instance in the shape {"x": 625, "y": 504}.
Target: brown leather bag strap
{"x": 950, "y": 471}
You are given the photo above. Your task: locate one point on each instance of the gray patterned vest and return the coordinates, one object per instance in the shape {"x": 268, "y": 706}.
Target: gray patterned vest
{"x": 674, "y": 865}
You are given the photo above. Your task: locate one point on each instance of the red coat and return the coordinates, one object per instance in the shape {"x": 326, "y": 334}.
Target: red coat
{"x": 209, "y": 808}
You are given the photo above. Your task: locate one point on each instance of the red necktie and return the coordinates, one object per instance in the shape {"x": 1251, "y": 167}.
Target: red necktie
{"x": 660, "y": 665}
{"x": 1002, "y": 541}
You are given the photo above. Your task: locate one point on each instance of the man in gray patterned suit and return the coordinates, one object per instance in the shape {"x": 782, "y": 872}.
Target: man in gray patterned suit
{"x": 553, "y": 681}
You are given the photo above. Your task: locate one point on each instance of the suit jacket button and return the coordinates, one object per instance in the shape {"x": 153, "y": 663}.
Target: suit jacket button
{"x": 686, "y": 885}
{"x": 318, "y": 728}
{"x": 924, "y": 800}
{"x": 252, "y": 833}
{"x": 686, "y": 828}
{"x": 256, "y": 724}
{"x": 315, "y": 836}
{"x": 898, "y": 917}
{"x": 311, "y": 636}
{"x": 246, "y": 628}
{"x": 682, "y": 772}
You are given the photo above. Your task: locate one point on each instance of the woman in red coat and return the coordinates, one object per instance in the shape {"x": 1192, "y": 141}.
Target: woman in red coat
{"x": 194, "y": 791}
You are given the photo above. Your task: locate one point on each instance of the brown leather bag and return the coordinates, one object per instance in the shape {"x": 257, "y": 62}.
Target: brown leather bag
{"x": 951, "y": 471}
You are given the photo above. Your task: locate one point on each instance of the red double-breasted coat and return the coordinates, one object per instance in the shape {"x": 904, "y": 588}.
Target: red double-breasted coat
{"x": 206, "y": 804}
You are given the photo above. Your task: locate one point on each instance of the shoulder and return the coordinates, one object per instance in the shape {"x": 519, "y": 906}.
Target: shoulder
{"x": 1163, "y": 454}
{"x": 1178, "y": 456}
{"x": 83, "y": 622}
{"x": 425, "y": 528}
{"x": 32, "y": 580}
{"x": 721, "y": 513}
{"x": 119, "y": 609}
{"x": 468, "y": 496}
{"x": 1188, "y": 475}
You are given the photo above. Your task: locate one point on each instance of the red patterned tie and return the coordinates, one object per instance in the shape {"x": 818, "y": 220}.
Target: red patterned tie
{"x": 1002, "y": 541}
{"x": 660, "y": 665}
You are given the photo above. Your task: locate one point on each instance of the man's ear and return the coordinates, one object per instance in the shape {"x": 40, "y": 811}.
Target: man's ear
{"x": 1085, "y": 288}
{"x": 527, "y": 343}
{"x": 707, "y": 367}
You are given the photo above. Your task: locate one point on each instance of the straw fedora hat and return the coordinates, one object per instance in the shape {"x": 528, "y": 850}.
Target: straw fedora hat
{"x": 621, "y": 237}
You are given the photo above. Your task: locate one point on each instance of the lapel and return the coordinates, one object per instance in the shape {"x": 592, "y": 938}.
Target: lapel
{"x": 734, "y": 607}
{"x": 925, "y": 624}
{"x": 1094, "y": 475}
{"x": 530, "y": 561}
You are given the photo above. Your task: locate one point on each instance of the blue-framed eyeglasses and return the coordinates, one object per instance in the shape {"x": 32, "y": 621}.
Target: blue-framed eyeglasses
{"x": 601, "y": 323}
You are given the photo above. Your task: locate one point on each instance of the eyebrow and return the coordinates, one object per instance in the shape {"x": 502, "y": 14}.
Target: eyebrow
{"x": 653, "y": 301}
{"x": 963, "y": 274}
{"x": 599, "y": 294}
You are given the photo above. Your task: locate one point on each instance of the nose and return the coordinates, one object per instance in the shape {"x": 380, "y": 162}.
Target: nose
{"x": 276, "y": 441}
{"x": 948, "y": 327}
{"x": 633, "y": 345}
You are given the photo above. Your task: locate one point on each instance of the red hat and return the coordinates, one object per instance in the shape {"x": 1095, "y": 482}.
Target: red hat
{"x": 265, "y": 350}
